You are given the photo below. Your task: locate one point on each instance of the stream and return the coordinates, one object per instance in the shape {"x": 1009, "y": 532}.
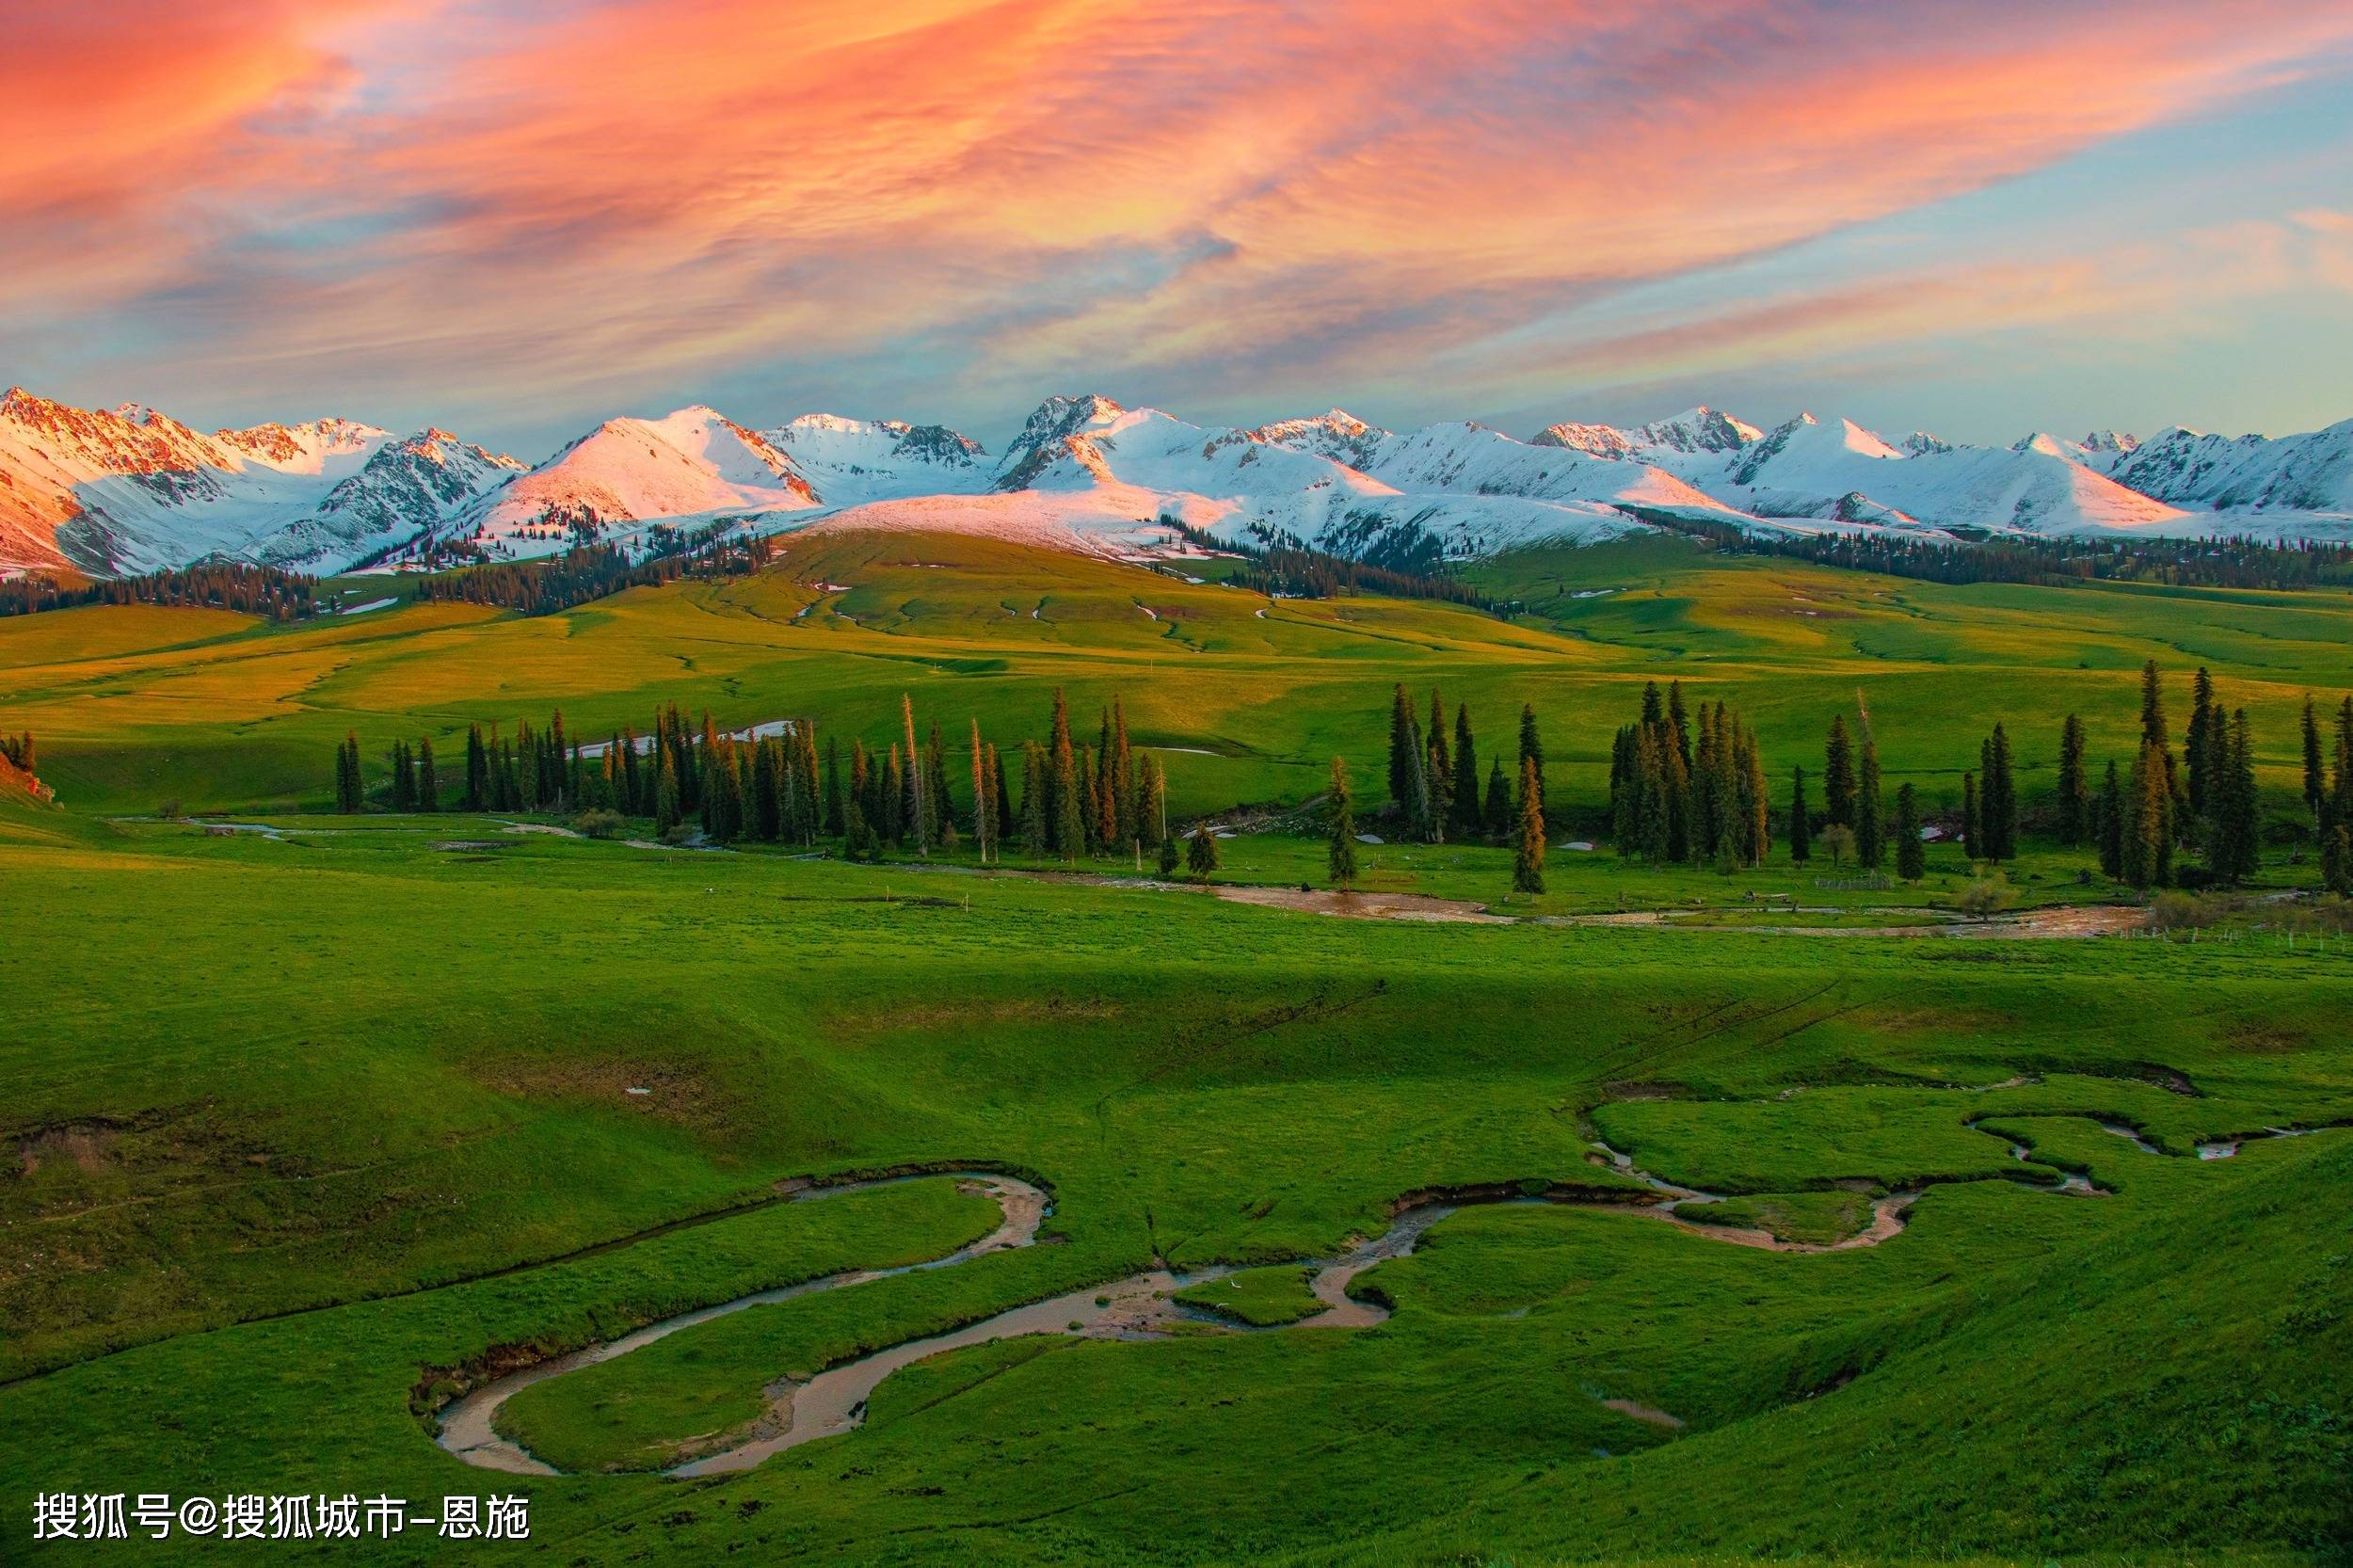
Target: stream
{"x": 1140, "y": 1306}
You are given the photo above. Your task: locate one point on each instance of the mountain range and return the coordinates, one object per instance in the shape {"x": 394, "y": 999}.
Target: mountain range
{"x": 129, "y": 489}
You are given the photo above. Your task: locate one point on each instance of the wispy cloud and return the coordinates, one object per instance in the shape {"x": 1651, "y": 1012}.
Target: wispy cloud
{"x": 569, "y": 204}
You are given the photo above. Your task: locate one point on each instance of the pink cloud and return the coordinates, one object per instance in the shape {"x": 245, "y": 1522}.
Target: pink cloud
{"x": 634, "y": 192}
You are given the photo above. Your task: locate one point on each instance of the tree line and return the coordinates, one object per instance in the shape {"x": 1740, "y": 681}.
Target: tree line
{"x": 1292, "y": 571}
{"x": 266, "y": 591}
{"x": 2233, "y": 562}
{"x": 593, "y": 571}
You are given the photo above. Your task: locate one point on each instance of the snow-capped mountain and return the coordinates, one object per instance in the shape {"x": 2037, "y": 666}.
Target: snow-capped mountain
{"x": 691, "y": 465}
{"x": 408, "y": 488}
{"x": 132, "y": 489}
{"x": 2294, "y": 474}
{"x": 1840, "y": 471}
{"x": 851, "y": 460}
{"x": 1695, "y": 439}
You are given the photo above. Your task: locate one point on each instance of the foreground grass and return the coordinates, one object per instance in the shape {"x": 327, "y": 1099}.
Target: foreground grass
{"x": 1261, "y": 1088}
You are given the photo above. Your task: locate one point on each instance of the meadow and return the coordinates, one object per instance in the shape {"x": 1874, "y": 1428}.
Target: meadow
{"x": 311, "y": 1130}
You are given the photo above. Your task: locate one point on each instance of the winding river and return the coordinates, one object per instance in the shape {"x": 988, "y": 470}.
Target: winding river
{"x": 1140, "y": 1306}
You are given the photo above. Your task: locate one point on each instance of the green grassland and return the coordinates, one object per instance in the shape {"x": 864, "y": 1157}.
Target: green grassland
{"x": 310, "y": 1130}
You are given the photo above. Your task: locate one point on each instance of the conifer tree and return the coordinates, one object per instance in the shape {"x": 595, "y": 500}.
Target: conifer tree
{"x": 1401, "y": 750}
{"x": 665, "y": 802}
{"x": 2336, "y": 861}
{"x": 1107, "y": 792}
{"x": 1527, "y": 865}
{"x": 1911, "y": 861}
{"x": 2153, "y": 734}
{"x": 767, "y": 812}
{"x": 2201, "y": 744}
{"x": 1419, "y": 812}
{"x": 992, "y": 783}
{"x": 1870, "y": 822}
{"x": 2075, "y": 787}
{"x": 2148, "y": 847}
{"x": 1088, "y": 803}
{"x": 1532, "y": 751}
{"x": 1498, "y": 809}
{"x": 942, "y": 819}
{"x": 1838, "y": 780}
{"x": 1342, "y": 861}
{"x": 2232, "y": 848}
{"x": 1681, "y": 724}
{"x": 477, "y": 771}
{"x": 833, "y": 820}
{"x": 1036, "y": 830}
{"x": 2315, "y": 781}
{"x": 1124, "y": 792}
{"x": 1467, "y": 813}
{"x": 1998, "y": 798}
{"x": 632, "y": 787}
{"x": 1007, "y": 824}
{"x": 1168, "y": 855}
{"x": 1439, "y": 762}
{"x": 1800, "y": 824}
{"x": 1971, "y": 817}
{"x": 2109, "y": 823}
{"x": 428, "y": 786}
{"x": 1152, "y": 810}
{"x": 1066, "y": 828}
{"x": 983, "y": 799}
{"x": 1201, "y": 851}
{"x": 917, "y": 809}
{"x": 1653, "y": 758}
{"x": 403, "y": 794}
{"x": 1753, "y": 792}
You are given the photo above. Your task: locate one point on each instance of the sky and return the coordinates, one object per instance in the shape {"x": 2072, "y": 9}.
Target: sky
{"x": 516, "y": 220}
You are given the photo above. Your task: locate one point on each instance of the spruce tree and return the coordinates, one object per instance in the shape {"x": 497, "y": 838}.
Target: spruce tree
{"x": 2340, "y": 796}
{"x": 1153, "y": 810}
{"x": 1401, "y": 750}
{"x": 1801, "y": 825}
{"x": 2201, "y": 744}
{"x": 1532, "y": 751}
{"x": 1498, "y": 810}
{"x": 1123, "y": 779}
{"x": 1201, "y": 851}
{"x": 1439, "y": 762}
{"x": 2148, "y": 847}
{"x": 477, "y": 771}
{"x": 2336, "y": 861}
{"x": 1065, "y": 825}
{"x": 2109, "y": 823}
{"x": 1680, "y": 724}
{"x": 1527, "y": 865}
{"x": 1037, "y": 829}
{"x": 1838, "y": 780}
{"x": 1998, "y": 798}
{"x": 918, "y": 810}
{"x": 1911, "y": 860}
{"x": 2316, "y": 783}
{"x": 428, "y": 786}
{"x": 1870, "y": 822}
{"x": 1341, "y": 861}
{"x": 2233, "y": 850}
{"x": 834, "y": 821}
{"x": 1466, "y": 812}
{"x": 1971, "y": 817}
{"x": 984, "y": 798}
{"x": 665, "y": 802}
{"x": 1168, "y": 855}
{"x": 2075, "y": 787}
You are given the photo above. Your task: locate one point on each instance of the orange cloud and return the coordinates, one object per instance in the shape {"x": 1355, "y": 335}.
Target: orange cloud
{"x": 625, "y": 195}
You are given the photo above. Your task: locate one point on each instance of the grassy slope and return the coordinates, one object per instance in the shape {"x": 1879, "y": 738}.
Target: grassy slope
{"x": 1259, "y": 1090}
{"x": 132, "y": 704}
{"x": 400, "y": 1068}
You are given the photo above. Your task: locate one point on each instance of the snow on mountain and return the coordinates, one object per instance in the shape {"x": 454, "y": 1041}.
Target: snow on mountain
{"x": 1333, "y": 482}
{"x": 132, "y": 489}
{"x": 853, "y": 461}
{"x": 2308, "y": 473}
{"x": 685, "y": 467}
{"x": 408, "y": 488}
{"x": 1840, "y": 471}
{"x": 1693, "y": 443}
